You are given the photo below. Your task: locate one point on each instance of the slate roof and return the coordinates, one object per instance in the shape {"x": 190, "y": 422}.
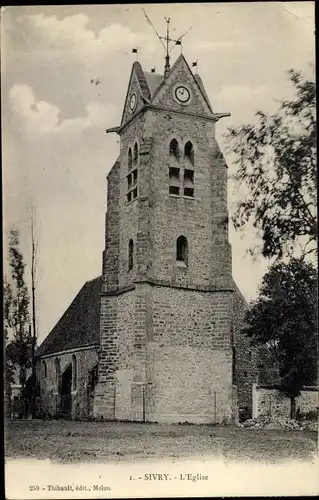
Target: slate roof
{"x": 202, "y": 88}
{"x": 79, "y": 325}
{"x": 153, "y": 81}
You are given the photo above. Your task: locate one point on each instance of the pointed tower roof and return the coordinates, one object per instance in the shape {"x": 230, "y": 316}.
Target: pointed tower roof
{"x": 202, "y": 88}
{"x": 153, "y": 89}
{"x": 142, "y": 80}
{"x": 180, "y": 67}
{"x": 137, "y": 83}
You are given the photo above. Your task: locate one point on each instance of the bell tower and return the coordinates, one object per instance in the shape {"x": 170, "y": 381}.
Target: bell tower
{"x": 167, "y": 300}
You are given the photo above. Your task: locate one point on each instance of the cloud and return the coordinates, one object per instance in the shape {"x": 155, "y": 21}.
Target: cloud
{"x": 242, "y": 92}
{"x": 227, "y": 44}
{"x": 43, "y": 117}
{"x": 250, "y": 97}
{"x": 72, "y": 33}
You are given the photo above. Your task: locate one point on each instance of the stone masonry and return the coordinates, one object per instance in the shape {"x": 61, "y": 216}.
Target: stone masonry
{"x": 86, "y": 359}
{"x": 166, "y": 338}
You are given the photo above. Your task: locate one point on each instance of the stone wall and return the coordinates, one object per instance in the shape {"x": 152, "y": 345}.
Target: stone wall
{"x": 202, "y": 219}
{"x": 245, "y": 358}
{"x": 156, "y": 218}
{"x": 272, "y": 402}
{"x": 166, "y": 341}
{"x": 189, "y": 356}
{"x": 110, "y": 264}
{"x": 50, "y": 399}
{"x": 268, "y": 367}
{"x": 108, "y": 358}
{"x": 166, "y": 356}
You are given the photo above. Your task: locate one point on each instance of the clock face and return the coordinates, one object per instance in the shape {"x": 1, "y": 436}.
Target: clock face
{"x": 182, "y": 94}
{"x": 133, "y": 102}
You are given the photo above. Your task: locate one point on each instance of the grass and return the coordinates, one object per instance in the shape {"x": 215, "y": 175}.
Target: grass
{"x": 71, "y": 442}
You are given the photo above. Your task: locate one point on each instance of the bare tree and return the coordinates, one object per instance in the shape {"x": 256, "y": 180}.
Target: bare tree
{"x": 34, "y": 253}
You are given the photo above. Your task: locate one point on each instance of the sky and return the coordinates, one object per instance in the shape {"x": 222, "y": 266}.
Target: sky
{"x": 56, "y": 154}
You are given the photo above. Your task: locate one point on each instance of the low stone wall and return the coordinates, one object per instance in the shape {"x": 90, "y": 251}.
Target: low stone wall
{"x": 269, "y": 401}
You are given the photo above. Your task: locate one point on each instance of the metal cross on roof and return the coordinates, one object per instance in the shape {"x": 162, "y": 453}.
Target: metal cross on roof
{"x": 167, "y": 40}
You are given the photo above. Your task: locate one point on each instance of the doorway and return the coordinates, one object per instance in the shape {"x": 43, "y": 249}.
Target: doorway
{"x": 65, "y": 394}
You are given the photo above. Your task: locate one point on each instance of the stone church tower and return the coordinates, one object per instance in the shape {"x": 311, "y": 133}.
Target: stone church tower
{"x": 166, "y": 341}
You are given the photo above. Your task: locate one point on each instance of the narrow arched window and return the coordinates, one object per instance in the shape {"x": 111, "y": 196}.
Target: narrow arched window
{"x": 189, "y": 152}
{"x": 182, "y": 249}
{"x": 44, "y": 369}
{"x": 57, "y": 372}
{"x": 189, "y": 170}
{"x": 132, "y": 176}
{"x": 135, "y": 157}
{"x": 173, "y": 148}
{"x": 74, "y": 373}
{"x": 129, "y": 159}
{"x": 130, "y": 255}
{"x": 174, "y": 169}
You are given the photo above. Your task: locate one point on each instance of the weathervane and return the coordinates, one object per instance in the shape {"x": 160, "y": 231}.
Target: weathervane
{"x": 167, "y": 39}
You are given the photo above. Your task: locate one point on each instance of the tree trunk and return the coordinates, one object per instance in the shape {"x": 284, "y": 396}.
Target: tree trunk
{"x": 34, "y": 333}
{"x": 293, "y": 408}
{"x": 8, "y": 398}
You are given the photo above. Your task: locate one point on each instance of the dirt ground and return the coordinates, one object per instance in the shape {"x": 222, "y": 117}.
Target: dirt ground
{"x": 70, "y": 442}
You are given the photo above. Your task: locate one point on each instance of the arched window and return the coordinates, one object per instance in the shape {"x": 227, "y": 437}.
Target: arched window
{"x": 130, "y": 255}
{"x": 44, "y": 369}
{"x": 129, "y": 159}
{"x": 135, "y": 157}
{"x": 189, "y": 151}
{"x": 182, "y": 249}
{"x": 74, "y": 373}
{"x": 173, "y": 148}
{"x": 189, "y": 170}
{"x": 131, "y": 177}
{"x": 174, "y": 168}
{"x": 57, "y": 371}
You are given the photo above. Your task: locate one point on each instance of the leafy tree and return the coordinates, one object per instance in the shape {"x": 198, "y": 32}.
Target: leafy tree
{"x": 284, "y": 317}
{"x": 276, "y": 167}
{"x": 17, "y": 310}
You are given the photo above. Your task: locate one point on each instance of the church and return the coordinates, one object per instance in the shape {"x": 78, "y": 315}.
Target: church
{"x": 156, "y": 337}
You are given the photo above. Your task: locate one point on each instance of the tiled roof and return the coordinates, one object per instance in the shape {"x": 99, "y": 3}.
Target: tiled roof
{"x": 79, "y": 325}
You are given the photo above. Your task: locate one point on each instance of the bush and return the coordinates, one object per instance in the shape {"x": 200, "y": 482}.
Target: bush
{"x": 308, "y": 415}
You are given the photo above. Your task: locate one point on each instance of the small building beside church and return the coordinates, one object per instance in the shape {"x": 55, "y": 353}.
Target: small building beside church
{"x": 157, "y": 337}
{"x": 68, "y": 358}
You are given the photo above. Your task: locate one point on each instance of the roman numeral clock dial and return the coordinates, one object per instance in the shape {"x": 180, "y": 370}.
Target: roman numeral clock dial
{"x": 133, "y": 102}
{"x": 182, "y": 94}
